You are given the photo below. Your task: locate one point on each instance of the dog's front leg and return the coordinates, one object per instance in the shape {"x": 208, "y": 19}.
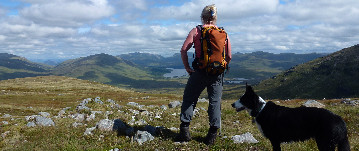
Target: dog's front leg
{"x": 275, "y": 145}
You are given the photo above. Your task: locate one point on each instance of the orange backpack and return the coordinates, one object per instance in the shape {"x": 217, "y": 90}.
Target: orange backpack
{"x": 213, "y": 50}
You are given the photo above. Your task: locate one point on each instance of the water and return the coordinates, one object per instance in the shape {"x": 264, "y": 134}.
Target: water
{"x": 176, "y": 73}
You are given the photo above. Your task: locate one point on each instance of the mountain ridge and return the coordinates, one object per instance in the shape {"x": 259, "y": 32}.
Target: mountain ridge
{"x": 331, "y": 76}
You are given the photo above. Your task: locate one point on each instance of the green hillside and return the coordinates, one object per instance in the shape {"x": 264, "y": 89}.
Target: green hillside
{"x": 262, "y": 65}
{"x": 14, "y": 66}
{"x": 332, "y": 76}
{"x": 111, "y": 70}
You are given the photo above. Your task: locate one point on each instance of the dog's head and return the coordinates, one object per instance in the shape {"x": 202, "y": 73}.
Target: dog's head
{"x": 249, "y": 101}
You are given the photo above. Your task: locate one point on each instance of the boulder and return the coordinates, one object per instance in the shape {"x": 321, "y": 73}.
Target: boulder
{"x": 244, "y": 138}
{"x": 30, "y": 124}
{"x": 79, "y": 117}
{"x": 313, "y": 103}
{"x": 44, "y": 114}
{"x": 174, "y": 104}
{"x": 163, "y": 107}
{"x": 44, "y": 121}
{"x": 89, "y": 131}
{"x": 143, "y": 136}
{"x": 105, "y": 125}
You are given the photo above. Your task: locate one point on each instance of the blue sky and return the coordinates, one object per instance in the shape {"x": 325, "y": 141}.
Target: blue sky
{"x": 50, "y": 29}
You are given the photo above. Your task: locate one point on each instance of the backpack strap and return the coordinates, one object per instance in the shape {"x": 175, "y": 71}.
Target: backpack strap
{"x": 199, "y": 29}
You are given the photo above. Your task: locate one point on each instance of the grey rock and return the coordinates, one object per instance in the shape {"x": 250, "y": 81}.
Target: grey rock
{"x": 141, "y": 122}
{"x": 44, "y": 121}
{"x": 244, "y": 138}
{"x": 89, "y": 131}
{"x": 202, "y": 100}
{"x": 76, "y": 124}
{"x": 313, "y": 103}
{"x": 96, "y": 112}
{"x": 6, "y": 116}
{"x": 174, "y": 104}
{"x": 61, "y": 113}
{"x": 79, "y": 117}
{"x": 163, "y": 107}
{"x": 115, "y": 149}
{"x": 105, "y": 125}
{"x": 143, "y": 136}
{"x": 132, "y": 104}
{"x": 91, "y": 117}
{"x": 110, "y": 101}
{"x": 44, "y": 114}
{"x": 3, "y": 135}
{"x": 98, "y": 100}
{"x": 30, "y": 124}
{"x": 351, "y": 102}
{"x": 30, "y": 118}
{"x": 5, "y": 122}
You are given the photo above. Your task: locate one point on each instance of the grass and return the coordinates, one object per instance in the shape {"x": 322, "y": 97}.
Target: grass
{"x": 28, "y": 96}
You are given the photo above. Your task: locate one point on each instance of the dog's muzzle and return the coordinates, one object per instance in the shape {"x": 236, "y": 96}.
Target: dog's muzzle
{"x": 238, "y": 109}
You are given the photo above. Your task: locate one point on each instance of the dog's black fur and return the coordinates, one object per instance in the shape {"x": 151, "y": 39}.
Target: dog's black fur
{"x": 282, "y": 124}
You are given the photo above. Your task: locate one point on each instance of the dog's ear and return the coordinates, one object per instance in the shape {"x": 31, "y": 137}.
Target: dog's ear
{"x": 248, "y": 88}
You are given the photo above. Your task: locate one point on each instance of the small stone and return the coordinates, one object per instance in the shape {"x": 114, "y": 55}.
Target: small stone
{"x": 30, "y": 124}
{"x": 244, "y": 138}
{"x": 143, "y": 136}
{"x": 76, "y": 124}
{"x": 89, "y": 131}
{"x": 44, "y": 121}
{"x": 44, "y": 114}
{"x": 105, "y": 125}
{"x": 5, "y": 122}
{"x": 163, "y": 107}
{"x": 313, "y": 103}
{"x": 6, "y": 116}
{"x": 174, "y": 104}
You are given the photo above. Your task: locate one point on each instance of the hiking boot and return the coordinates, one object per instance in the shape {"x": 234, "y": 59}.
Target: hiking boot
{"x": 184, "y": 135}
{"x": 211, "y": 136}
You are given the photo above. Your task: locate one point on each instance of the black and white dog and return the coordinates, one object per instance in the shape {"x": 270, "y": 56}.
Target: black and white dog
{"x": 282, "y": 124}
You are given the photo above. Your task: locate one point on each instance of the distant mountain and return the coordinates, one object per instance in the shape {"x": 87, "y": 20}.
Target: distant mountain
{"x": 256, "y": 66}
{"x": 51, "y": 62}
{"x": 12, "y": 66}
{"x": 134, "y": 69}
{"x": 108, "y": 69}
{"x": 262, "y": 65}
{"x": 152, "y": 60}
{"x": 333, "y": 76}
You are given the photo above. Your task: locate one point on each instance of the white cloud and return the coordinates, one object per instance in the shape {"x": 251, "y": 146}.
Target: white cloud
{"x": 67, "y": 12}
{"x": 77, "y": 28}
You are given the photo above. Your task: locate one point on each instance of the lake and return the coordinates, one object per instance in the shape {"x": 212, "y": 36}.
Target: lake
{"x": 176, "y": 73}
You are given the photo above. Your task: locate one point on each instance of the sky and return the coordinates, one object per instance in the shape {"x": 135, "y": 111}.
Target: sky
{"x": 67, "y": 29}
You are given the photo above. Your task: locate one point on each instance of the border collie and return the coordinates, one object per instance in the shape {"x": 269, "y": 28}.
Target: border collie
{"x": 282, "y": 124}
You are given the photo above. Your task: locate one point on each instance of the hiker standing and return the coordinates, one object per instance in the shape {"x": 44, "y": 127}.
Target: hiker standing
{"x": 200, "y": 78}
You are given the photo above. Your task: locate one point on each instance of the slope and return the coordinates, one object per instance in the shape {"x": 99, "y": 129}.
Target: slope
{"x": 12, "y": 66}
{"x": 108, "y": 69}
{"x": 332, "y": 76}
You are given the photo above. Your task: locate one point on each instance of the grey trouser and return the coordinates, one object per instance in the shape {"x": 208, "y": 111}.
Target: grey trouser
{"x": 196, "y": 83}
